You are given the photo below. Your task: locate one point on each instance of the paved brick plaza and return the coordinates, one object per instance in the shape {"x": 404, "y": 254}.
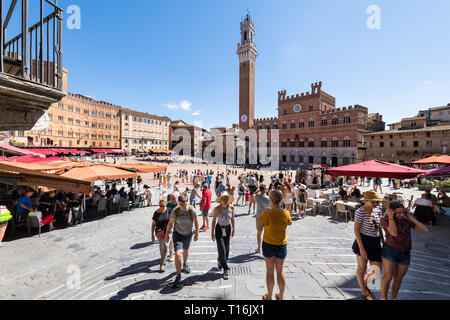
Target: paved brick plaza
{"x": 117, "y": 261}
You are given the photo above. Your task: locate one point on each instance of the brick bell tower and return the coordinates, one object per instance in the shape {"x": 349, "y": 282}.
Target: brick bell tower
{"x": 247, "y": 53}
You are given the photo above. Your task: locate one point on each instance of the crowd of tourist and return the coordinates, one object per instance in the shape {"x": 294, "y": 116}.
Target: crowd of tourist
{"x": 382, "y": 240}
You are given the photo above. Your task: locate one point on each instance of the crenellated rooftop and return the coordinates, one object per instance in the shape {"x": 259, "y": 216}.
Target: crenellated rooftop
{"x": 266, "y": 119}
{"x": 345, "y": 109}
{"x": 316, "y": 89}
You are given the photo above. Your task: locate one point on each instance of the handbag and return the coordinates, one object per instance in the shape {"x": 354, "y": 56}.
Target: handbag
{"x": 160, "y": 234}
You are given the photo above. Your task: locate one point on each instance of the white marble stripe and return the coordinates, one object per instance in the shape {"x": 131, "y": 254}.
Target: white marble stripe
{"x": 401, "y": 291}
{"x": 430, "y": 273}
{"x": 63, "y": 285}
{"x": 333, "y": 263}
{"x": 49, "y": 292}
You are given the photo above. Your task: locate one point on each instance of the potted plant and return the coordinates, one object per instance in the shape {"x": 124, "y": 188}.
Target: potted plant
{"x": 426, "y": 185}
{"x": 443, "y": 186}
{"x": 5, "y": 216}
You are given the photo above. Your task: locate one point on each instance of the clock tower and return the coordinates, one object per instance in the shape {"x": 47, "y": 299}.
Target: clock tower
{"x": 247, "y": 53}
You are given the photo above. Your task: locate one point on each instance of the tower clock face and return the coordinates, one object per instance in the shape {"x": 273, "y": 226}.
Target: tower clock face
{"x": 298, "y": 108}
{"x": 244, "y": 118}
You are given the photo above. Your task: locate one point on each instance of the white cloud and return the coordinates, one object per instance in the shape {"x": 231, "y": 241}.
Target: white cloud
{"x": 184, "y": 105}
{"x": 429, "y": 83}
{"x": 196, "y": 113}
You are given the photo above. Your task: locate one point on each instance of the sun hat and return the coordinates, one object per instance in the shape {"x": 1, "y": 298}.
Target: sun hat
{"x": 227, "y": 195}
{"x": 371, "y": 196}
{"x": 302, "y": 187}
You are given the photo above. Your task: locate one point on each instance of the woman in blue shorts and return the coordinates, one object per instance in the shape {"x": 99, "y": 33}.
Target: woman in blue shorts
{"x": 397, "y": 223}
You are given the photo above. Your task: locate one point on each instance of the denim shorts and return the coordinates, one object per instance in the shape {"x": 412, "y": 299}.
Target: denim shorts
{"x": 181, "y": 242}
{"x": 205, "y": 213}
{"x": 396, "y": 256}
{"x": 271, "y": 251}
{"x": 193, "y": 203}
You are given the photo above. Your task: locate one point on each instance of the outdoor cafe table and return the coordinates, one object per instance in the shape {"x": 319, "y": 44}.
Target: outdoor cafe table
{"x": 318, "y": 202}
{"x": 334, "y": 197}
{"x": 353, "y": 205}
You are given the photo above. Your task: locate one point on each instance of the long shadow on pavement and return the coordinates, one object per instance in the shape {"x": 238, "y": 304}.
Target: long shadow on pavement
{"x": 135, "y": 268}
{"x": 142, "y": 286}
{"x": 142, "y": 245}
{"x": 209, "y": 276}
{"x": 164, "y": 285}
{"x": 244, "y": 258}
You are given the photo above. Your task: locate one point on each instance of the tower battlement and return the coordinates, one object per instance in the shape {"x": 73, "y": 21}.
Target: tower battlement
{"x": 316, "y": 89}
{"x": 266, "y": 119}
{"x": 344, "y": 109}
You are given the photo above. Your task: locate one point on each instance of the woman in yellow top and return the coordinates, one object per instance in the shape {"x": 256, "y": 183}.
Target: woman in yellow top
{"x": 274, "y": 222}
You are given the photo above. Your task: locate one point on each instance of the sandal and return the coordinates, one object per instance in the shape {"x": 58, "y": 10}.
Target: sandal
{"x": 277, "y": 296}
{"x": 367, "y": 295}
{"x": 265, "y": 298}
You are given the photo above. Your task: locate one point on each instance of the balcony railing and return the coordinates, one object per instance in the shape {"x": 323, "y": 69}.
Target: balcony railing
{"x": 36, "y": 53}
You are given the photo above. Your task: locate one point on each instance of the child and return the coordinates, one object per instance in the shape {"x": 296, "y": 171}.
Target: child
{"x": 247, "y": 197}
{"x": 48, "y": 219}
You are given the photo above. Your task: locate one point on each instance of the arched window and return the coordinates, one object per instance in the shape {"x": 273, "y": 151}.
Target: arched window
{"x": 347, "y": 142}
{"x": 311, "y": 159}
{"x": 335, "y": 143}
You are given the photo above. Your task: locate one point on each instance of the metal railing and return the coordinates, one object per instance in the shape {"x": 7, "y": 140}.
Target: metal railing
{"x": 37, "y": 50}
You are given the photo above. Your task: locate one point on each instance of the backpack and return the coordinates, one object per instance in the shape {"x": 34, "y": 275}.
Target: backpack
{"x": 191, "y": 213}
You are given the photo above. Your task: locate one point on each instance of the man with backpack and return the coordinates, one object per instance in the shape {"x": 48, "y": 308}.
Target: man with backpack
{"x": 182, "y": 219}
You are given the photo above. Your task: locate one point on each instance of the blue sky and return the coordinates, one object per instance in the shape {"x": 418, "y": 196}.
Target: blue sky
{"x": 152, "y": 55}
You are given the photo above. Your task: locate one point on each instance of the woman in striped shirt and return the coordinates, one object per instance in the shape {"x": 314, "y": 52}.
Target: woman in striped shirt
{"x": 367, "y": 245}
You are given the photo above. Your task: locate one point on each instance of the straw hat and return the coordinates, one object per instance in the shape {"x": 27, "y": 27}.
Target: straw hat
{"x": 371, "y": 196}
{"x": 228, "y": 196}
{"x": 302, "y": 187}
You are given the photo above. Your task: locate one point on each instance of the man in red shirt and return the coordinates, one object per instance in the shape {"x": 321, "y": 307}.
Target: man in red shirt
{"x": 205, "y": 206}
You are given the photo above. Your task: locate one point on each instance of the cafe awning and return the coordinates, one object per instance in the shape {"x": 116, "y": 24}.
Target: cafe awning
{"x": 439, "y": 160}
{"x": 44, "y": 152}
{"x": 161, "y": 151}
{"x": 32, "y": 159}
{"x": 15, "y": 175}
{"x": 141, "y": 168}
{"x": 375, "y": 169}
{"x": 98, "y": 172}
{"x": 19, "y": 151}
{"x": 51, "y": 167}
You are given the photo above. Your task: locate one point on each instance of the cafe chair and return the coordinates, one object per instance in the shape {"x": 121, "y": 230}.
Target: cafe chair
{"x": 341, "y": 208}
{"x": 124, "y": 205}
{"x": 33, "y": 223}
{"x": 101, "y": 208}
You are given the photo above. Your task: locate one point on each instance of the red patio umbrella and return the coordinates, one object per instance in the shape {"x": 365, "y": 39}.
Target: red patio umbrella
{"x": 438, "y": 172}
{"x": 376, "y": 169}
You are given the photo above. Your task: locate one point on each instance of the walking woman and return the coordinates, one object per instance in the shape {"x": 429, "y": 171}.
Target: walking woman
{"x": 367, "y": 245}
{"x": 159, "y": 226}
{"x": 288, "y": 198}
{"x": 223, "y": 230}
{"x": 397, "y": 223}
{"x": 241, "y": 193}
{"x": 274, "y": 222}
{"x": 302, "y": 201}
